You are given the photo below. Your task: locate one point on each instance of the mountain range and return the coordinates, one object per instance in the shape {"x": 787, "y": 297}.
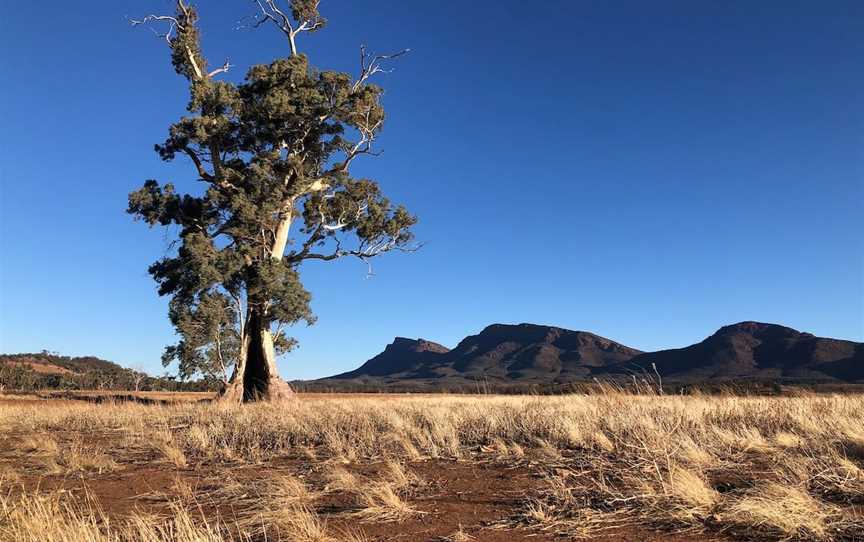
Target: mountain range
{"x": 539, "y": 354}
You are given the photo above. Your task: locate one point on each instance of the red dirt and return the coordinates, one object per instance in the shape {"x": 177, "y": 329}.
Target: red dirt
{"x": 481, "y": 498}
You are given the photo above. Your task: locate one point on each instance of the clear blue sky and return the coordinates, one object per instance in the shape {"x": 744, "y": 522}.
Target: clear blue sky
{"x": 648, "y": 171}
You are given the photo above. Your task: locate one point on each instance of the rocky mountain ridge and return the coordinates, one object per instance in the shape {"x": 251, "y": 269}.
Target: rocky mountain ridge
{"x": 531, "y": 353}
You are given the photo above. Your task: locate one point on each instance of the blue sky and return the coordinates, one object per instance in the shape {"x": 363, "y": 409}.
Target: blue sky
{"x": 645, "y": 171}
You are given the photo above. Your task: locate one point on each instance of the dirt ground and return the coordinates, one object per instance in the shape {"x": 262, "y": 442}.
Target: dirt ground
{"x": 480, "y": 498}
{"x": 428, "y": 467}
{"x": 476, "y": 498}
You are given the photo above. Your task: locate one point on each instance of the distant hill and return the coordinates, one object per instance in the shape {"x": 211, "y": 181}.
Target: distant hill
{"x": 546, "y": 355}
{"x": 45, "y": 370}
{"x": 757, "y": 350}
{"x": 48, "y": 363}
{"x": 501, "y": 352}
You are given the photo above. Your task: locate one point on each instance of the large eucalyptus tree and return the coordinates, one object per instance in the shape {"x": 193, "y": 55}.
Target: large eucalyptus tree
{"x": 273, "y": 153}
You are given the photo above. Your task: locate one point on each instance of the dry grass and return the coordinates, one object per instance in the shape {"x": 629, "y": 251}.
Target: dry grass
{"x": 286, "y": 491}
{"x": 165, "y": 444}
{"x": 399, "y": 477}
{"x": 340, "y": 479}
{"x": 54, "y": 518}
{"x": 70, "y": 456}
{"x": 297, "y": 523}
{"x": 458, "y": 536}
{"x": 39, "y": 444}
{"x": 382, "y": 502}
{"x": 776, "y": 468}
{"x": 788, "y": 510}
{"x": 76, "y": 456}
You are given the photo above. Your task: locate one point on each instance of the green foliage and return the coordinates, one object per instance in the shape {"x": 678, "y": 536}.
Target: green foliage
{"x": 307, "y": 10}
{"x": 209, "y": 336}
{"x": 271, "y": 150}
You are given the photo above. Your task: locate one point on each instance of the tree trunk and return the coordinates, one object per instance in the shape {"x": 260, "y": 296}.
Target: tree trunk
{"x": 277, "y": 251}
{"x": 256, "y": 377}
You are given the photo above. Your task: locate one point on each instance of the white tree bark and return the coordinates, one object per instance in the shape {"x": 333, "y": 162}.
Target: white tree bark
{"x": 282, "y": 230}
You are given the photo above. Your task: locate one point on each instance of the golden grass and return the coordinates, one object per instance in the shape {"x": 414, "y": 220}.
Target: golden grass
{"x": 287, "y": 490}
{"x": 458, "y": 536}
{"x": 165, "y": 444}
{"x": 788, "y": 510}
{"x": 382, "y": 502}
{"x": 399, "y": 477}
{"x": 340, "y": 479}
{"x": 298, "y": 523}
{"x": 781, "y": 468}
{"x": 39, "y": 444}
{"x": 53, "y": 517}
{"x": 73, "y": 455}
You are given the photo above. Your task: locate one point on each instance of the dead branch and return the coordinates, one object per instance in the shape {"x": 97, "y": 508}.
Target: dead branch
{"x": 167, "y": 35}
{"x": 371, "y": 66}
{"x": 269, "y": 10}
{"x": 224, "y": 68}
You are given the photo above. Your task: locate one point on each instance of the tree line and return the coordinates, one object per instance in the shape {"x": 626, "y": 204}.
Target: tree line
{"x": 86, "y": 373}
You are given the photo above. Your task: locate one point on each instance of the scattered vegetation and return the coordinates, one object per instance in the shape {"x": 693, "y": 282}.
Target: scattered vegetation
{"x": 754, "y": 467}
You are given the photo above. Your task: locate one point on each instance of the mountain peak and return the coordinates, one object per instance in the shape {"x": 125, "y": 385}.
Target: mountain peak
{"x": 757, "y": 350}
{"x": 759, "y": 329}
{"x": 523, "y": 332}
{"x": 416, "y": 345}
{"x": 520, "y": 326}
{"x": 401, "y": 356}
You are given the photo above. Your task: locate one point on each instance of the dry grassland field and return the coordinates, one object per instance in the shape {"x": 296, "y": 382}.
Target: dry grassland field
{"x": 609, "y": 466}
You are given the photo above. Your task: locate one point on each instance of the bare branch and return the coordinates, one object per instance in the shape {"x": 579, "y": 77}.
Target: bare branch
{"x": 369, "y": 67}
{"x": 150, "y": 18}
{"x": 365, "y": 252}
{"x": 167, "y": 35}
{"x": 270, "y": 11}
{"x": 340, "y": 223}
{"x": 364, "y": 146}
{"x": 225, "y": 67}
